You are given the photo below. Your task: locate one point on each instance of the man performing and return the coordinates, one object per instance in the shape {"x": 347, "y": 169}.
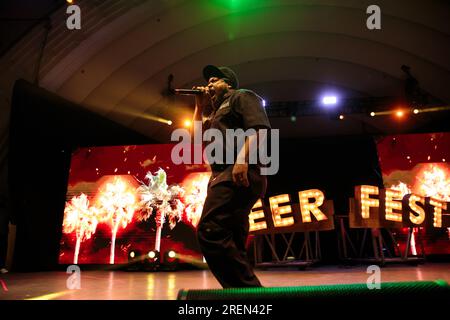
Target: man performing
{"x": 234, "y": 187}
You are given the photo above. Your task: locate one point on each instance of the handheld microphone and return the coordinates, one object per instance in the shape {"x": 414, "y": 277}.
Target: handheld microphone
{"x": 188, "y": 91}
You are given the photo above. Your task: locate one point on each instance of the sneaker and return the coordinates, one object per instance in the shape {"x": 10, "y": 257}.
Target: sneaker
{"x": 3, "y": 270}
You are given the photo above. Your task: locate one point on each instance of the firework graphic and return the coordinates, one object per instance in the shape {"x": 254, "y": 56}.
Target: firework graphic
{"x": 116, "y": 203}
{"x": 134, "y": 196}
{"x": 80, "y": 218}
{"x": 160, "y": 200}
{"x": 433, "y": 180}
{"x": 196, "y": 186}
{"x": 429, "y": 180}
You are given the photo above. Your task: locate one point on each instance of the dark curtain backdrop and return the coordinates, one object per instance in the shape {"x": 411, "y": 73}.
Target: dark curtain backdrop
{"x": 44, "y": 130}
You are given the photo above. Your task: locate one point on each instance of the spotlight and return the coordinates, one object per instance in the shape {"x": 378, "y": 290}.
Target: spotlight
{"x": 169, "y": 122}
{"x": 133, "y": 256}
{"x": 329, "y": 100}
{"x": 171, "y": 259}
{"x": 416, "y": 111}
{"x": 399, "y": 113}
{"x": 372, "y": 114}
{"x": 187, "y": 123}
{"x": 341, "y": 117}
{"x": 152, "y": 260}
{"x": 134, "y": 260}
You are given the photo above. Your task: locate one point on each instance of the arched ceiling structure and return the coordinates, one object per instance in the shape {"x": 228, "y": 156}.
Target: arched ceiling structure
{"x": 286, "y": 50}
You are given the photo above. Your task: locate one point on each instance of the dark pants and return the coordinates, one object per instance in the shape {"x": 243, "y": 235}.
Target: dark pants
{"x": 222, "y": 233}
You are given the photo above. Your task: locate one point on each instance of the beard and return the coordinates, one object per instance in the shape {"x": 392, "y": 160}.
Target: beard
{"x": 217, "y": 98}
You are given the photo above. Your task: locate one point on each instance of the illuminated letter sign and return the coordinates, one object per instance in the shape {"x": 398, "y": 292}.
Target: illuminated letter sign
{"x": 256, "y": 218}
{"x": 437, "y": 207}
{"x": 279, "y": 213}
{"x": 392, "y": 210}
{"x": 413, "y": 210}
{"x": 364, "y": 208}
{"x": 371, "y": 208}
{"x": 307, "y": 208}
{"x": 313, "y": 213}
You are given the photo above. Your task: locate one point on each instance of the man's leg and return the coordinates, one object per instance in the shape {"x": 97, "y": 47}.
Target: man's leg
{"x": 224, "y": 221}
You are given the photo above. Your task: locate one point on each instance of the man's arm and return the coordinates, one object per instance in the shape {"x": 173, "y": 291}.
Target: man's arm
{"x": 248, "y": 151}
{"x": 202, "y": 102}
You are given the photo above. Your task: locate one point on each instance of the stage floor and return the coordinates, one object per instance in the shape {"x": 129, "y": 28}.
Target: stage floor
{"x": 122, "y": 285}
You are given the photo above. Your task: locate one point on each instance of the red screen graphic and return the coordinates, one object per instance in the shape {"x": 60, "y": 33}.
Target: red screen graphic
{"x": 418, "y": 163}
{"x": 125, "y": 198}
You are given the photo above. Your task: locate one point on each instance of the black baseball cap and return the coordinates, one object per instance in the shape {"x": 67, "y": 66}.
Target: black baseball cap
{"x": 223, "y": 73}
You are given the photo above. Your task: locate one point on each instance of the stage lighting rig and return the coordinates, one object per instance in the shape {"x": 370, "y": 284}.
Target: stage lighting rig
{"x": 171, "y": 260}
{"x": 152, "y": 260}
{"x": 134, "y": 260}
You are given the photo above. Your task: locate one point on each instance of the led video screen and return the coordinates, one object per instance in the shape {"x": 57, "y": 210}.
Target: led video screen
{"x": 125, "y": 198}
{"x": 418, "y": 163}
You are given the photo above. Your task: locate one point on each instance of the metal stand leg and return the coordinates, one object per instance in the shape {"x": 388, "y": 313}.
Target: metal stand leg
{"x": 408, "y": 243}
{"x": 318, "y": 250}
{"x": 420, "y": 239}
{"x": 289, "y": 245}
{"x": 272, "y": 247}
{"x": 344, "y": 241}
{"x": 396, "y": 249}
{"x": 380, "y": 245}
{"x": 375, "y": 246}
{"x": 363, "y": 242}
